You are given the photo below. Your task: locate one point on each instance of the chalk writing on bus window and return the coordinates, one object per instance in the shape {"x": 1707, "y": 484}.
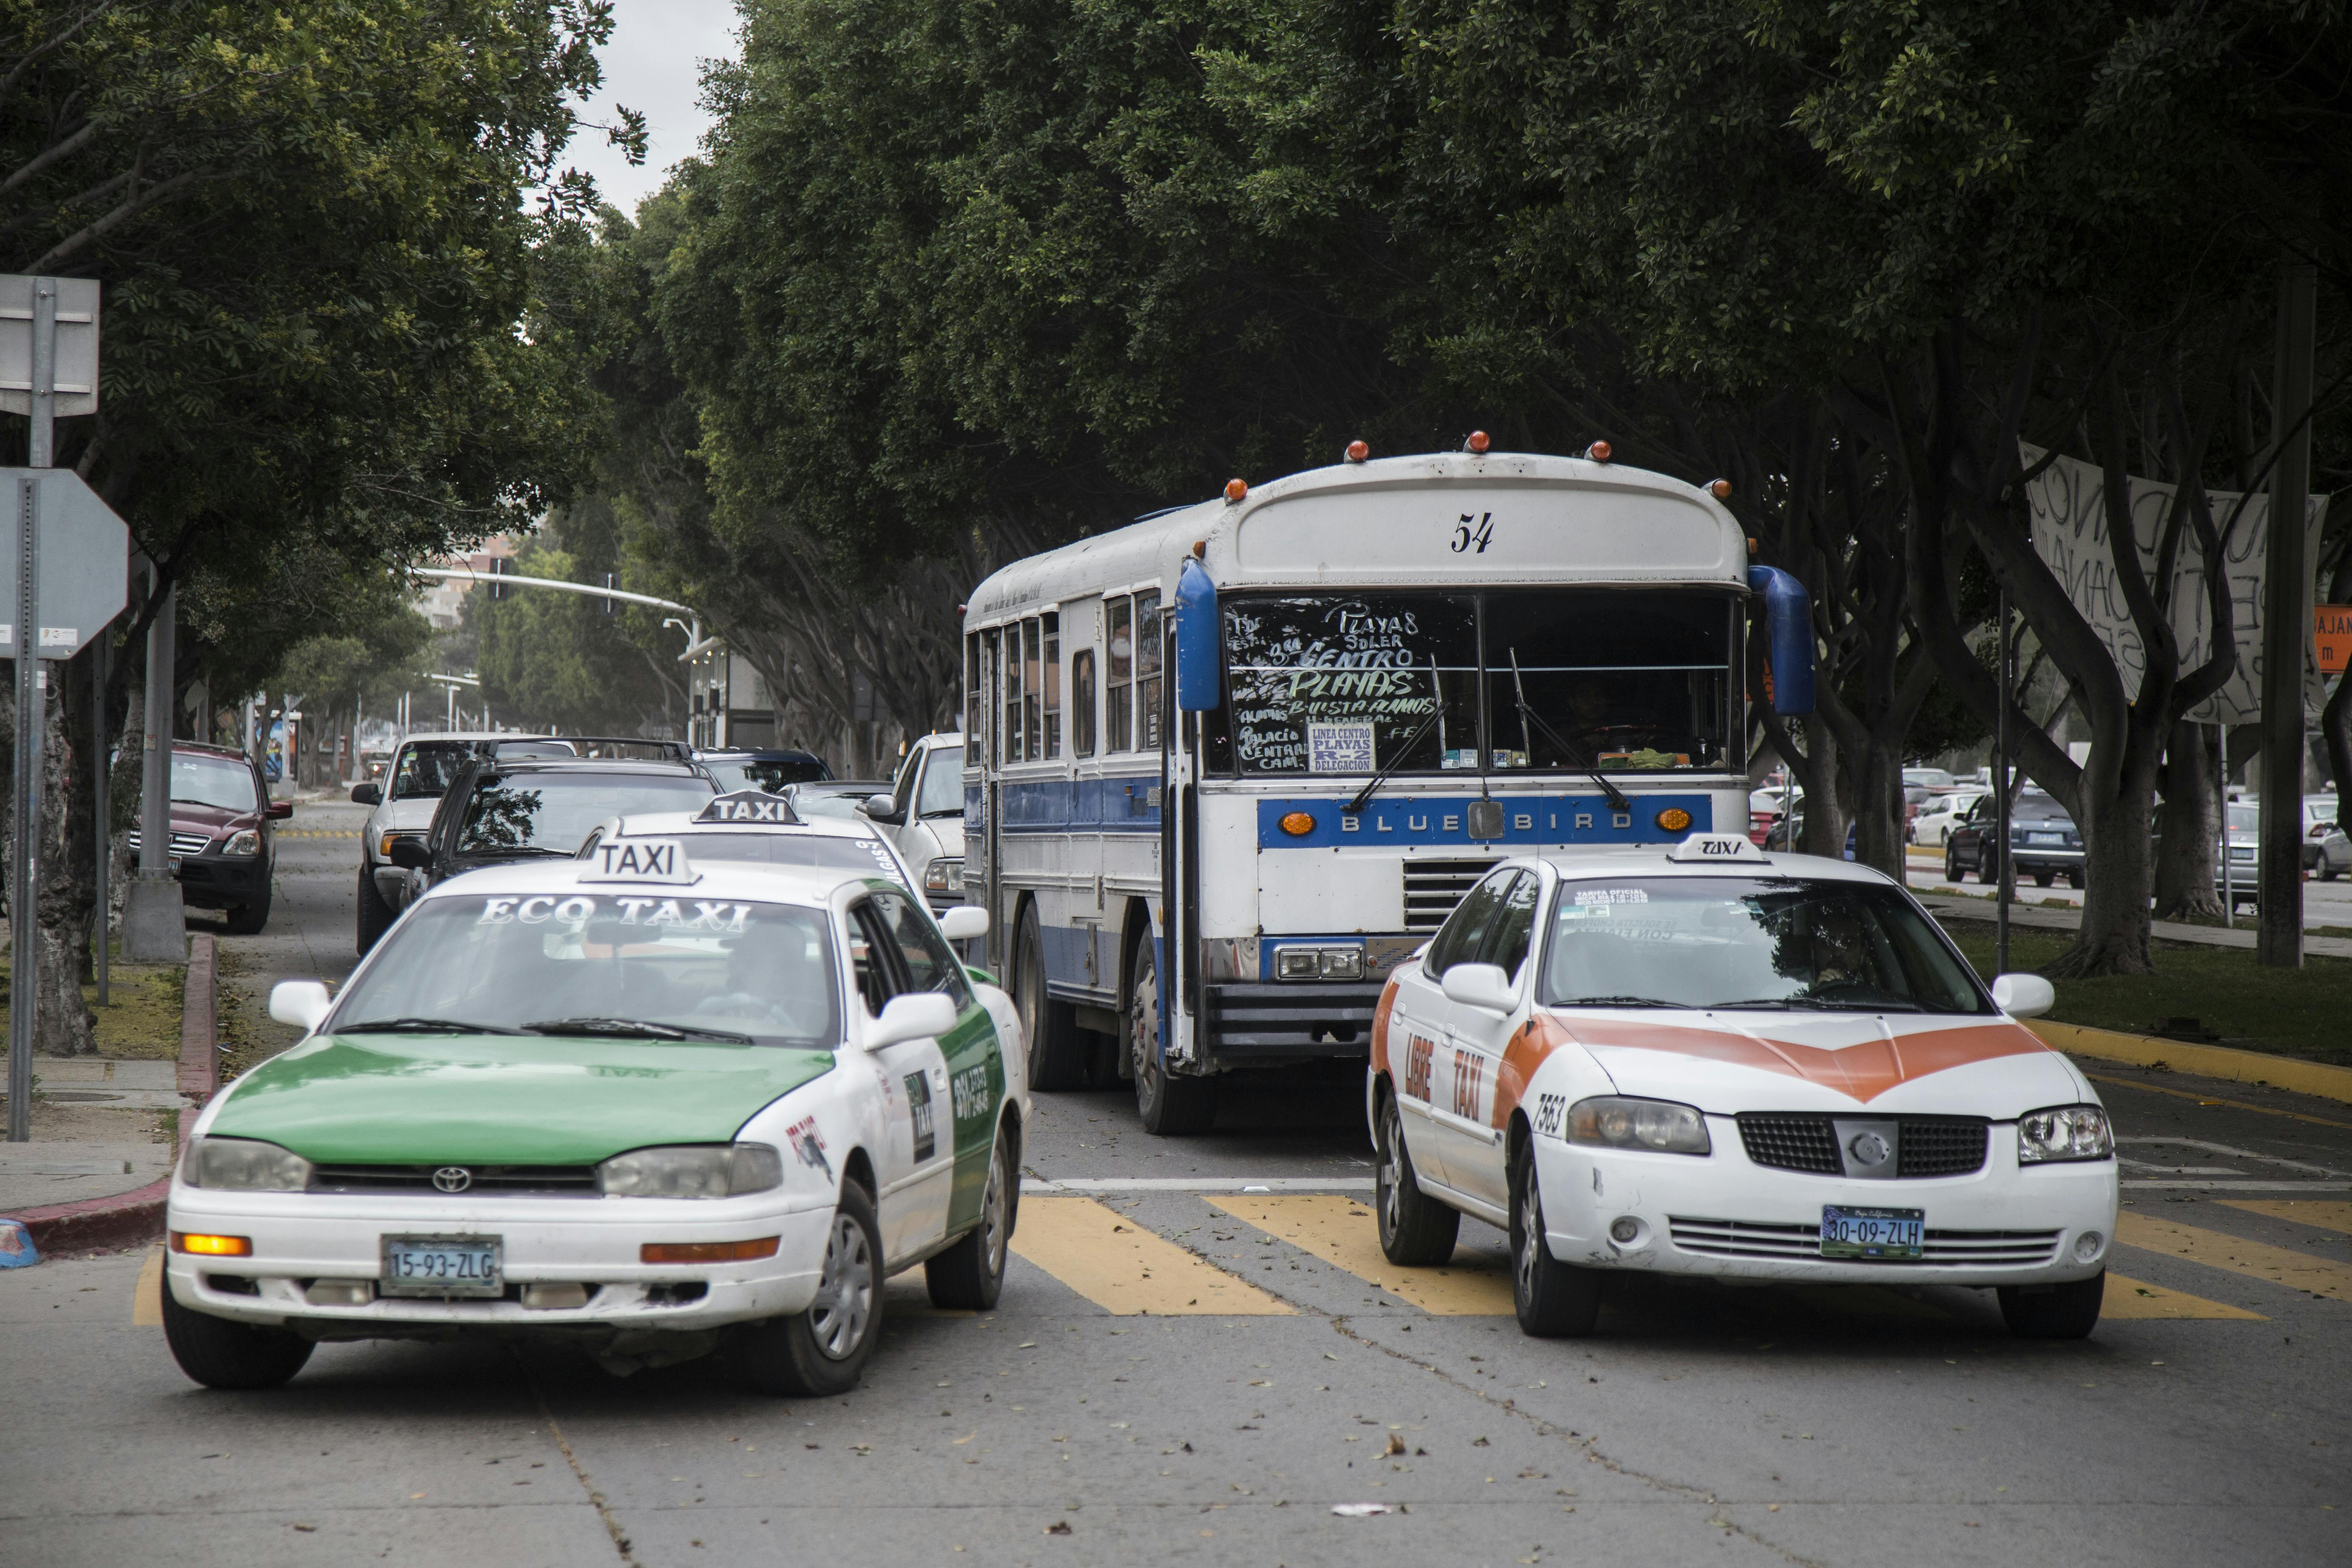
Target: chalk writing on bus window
{"x": 1333, "y": 683}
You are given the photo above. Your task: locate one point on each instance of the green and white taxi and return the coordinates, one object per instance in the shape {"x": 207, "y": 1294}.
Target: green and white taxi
{"x": 654, "y": 1105}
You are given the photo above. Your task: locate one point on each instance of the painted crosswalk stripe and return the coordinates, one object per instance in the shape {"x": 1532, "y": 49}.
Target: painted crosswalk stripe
{"x": 2325, "y": 1215}
{"x": 2254, "y": 1259}
{"x": 1124, "y": 1268}
{"x": 2129, "y": 1298}
{"x": 1342, "y": 1232}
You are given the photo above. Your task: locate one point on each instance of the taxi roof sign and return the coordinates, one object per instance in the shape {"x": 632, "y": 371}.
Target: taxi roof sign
{"x": 748, "y": 805}
{"x": 1710, "y": 847}
{"x": 660, "y": 860}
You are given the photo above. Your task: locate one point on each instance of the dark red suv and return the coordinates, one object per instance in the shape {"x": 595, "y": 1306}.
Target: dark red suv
{"x": 223, "y": 848}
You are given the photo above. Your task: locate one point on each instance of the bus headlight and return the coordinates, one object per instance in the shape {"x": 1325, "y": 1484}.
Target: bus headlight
{"x": 944, "y": 875}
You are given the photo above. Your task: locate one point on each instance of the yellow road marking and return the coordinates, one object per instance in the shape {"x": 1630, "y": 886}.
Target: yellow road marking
{"x": 2327, "y": 1216}
{"x": 1123, "y": 1269}
{"x": 2209, "y": 1100}
{"x": 2255, "y": 1260}
{"x": 2128, "y": 1298}
{"x": 147, "y": 1296}
{"x": 1342, "y": 1232}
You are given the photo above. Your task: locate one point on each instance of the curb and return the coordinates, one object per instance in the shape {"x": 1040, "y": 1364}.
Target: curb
{"x": 2226, "y": 1062}
{"x": 125, "y": 1218}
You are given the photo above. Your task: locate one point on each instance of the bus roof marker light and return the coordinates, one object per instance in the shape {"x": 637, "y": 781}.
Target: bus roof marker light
{"x": 1358, "y": 451}
{"x": 1298, "y": 823}
{"x": 1719, "y": 489}
{"x": 1236, "y": 491}
{"x": 1478, "y": 442}
{"x": 1200, "y": 549}
{"x": 1598, "y": 452}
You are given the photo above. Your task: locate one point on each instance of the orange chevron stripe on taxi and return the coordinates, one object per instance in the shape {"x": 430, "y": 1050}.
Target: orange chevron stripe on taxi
{"x": 1531, "y": 1042}
{"x": 1380, "y": 1026}
{"x": 1862, "y": 1072}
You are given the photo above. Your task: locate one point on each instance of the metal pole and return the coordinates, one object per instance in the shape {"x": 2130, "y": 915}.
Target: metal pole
{"x": 23, "y": 890}
{"x": 155, "y": 782}
{"x": 2000, "y": 796}
{"x": 100, "y": 766}
{"x": 2286, "y": 635}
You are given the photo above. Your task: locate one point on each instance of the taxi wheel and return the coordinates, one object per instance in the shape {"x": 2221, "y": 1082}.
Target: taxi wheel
{"x": 219, "y": 1354}
{"x": 2068, "y": 1311}
{"x": 824, "y": 1350}
{"x": 1058, "y": 1058}
{"x": 1171, "y": 1106}
{"x": 375, "y": 915}
{"x": 970, "y": 1276}
{"x": 1416, "y": 1230}
{"x": 1554, "y": 1299}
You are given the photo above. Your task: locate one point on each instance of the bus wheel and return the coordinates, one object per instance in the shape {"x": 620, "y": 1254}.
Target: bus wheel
{"x": 1057, "y": 1060}
{"x": 1171, "y": 1106}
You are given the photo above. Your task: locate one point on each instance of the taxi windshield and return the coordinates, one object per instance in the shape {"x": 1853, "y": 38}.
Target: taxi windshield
{"x": 554, "y": 810}
{"x": 1751, "y": 942}
{"x": 703, "y": 968}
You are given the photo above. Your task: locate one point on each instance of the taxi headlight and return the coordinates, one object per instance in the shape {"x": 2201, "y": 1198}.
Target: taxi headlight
{"x": 246, "y": 843}
{"x": 244, "y": 1164}
{"x": 2063, "y": 1132}
{"x": 1615, "y": 1121}
{"x": 944, "y": 876}
{"x": 692, "y": 1171}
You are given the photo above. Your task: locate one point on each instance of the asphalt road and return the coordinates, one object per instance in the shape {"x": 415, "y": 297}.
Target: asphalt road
{"x": 1279, "y": 1372}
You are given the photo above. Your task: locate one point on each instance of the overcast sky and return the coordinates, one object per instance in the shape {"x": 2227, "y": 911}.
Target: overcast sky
{"x": 652, "y": 63}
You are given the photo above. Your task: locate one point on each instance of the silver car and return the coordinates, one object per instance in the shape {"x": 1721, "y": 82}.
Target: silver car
{"x": 923, "y": 817}
{"x": 404, "y": 796}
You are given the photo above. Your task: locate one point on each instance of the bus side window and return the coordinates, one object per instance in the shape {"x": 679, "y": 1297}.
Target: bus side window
{"x": 1053, "y": 668}
{"x": 1122, "y": 676}
{"x": 991, "y": 655}
{"x": 1148, "y": 652}
{"x": 1082, "y": 703}
{"x": 972, "y": 667}
{"x": 1033, "y": 692}
{"x": 1013, "y": 692}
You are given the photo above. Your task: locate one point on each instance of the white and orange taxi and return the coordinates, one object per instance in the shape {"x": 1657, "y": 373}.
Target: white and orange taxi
{"x": 1699, "y": 1060}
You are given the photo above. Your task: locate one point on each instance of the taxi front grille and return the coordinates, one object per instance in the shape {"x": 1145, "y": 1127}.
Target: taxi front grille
{"x": 1757, "y": 1239}
{"x": 1925, "y": 1145}
{"x": 491, "y": 1181}
{"x": 1432, "y": 888}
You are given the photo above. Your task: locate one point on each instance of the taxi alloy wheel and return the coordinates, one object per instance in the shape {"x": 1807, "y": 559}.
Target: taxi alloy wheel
{"x": 1416, "y": 1230}
{"x": 970, "y": 1276}
{"x": 1554, "y": 1299}
{"x": 823, "y": 1351}
{"x": 1171, "y": 1106}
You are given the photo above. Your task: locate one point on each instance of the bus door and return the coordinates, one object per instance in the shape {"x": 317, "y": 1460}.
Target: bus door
{"x": 1180, "y": 867}
{"x": 984, "y": 859}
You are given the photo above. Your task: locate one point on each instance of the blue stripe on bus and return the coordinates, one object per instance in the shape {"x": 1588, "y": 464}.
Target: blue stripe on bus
{"x": 1059, "y": 806}
{"x": 1528, "y": 819}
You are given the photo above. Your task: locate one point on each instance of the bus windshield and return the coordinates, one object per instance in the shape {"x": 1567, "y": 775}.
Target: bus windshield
{"x": 1541, "y": 679}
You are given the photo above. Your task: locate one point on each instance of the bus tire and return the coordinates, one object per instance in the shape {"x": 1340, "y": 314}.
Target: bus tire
{"x": 375, "y": 916}
{"x": 1171, "y": 1106}
{"x": 1058, "y": 1058}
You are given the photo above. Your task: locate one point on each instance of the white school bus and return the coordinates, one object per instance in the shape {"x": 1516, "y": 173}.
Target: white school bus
{"x": 1229, "y": 765}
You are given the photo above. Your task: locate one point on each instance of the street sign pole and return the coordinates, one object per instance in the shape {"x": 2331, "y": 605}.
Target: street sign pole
{"x": 24, "y": 888}
{"x": 102, "y": 765}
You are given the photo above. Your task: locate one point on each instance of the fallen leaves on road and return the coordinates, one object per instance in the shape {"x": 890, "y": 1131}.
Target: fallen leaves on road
{"x": 1059, "y": 1527}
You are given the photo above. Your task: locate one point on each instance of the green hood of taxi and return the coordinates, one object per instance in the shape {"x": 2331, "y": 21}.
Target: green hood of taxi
{"x": 504, "y": 1100}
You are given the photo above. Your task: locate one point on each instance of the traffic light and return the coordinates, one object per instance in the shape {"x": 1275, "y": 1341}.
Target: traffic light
{"x": 497, "y": 570}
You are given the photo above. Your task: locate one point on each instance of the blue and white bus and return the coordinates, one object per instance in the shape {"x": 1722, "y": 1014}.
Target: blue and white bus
{"x": 1229, "y": 765}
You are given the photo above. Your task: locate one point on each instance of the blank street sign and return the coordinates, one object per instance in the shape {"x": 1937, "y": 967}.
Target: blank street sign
{"x": 85, "y": 560}
{"x": 76, "y": 376}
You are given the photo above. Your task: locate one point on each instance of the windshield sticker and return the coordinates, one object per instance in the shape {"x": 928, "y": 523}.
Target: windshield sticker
{"x": 1339, "y": 749}
{"x": 713, "y": 916}
{"x": 919, "y": 1106}
{"x": 1612, "y": 895}
{"x": 639, "y": 860}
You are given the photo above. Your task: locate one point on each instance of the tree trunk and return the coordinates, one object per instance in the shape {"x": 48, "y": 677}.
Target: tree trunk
{"x": 2192, "y": 821}
{"x": 2113, "y": 939}
{"x": 2336, "y": 728}
{"x": 1878, "y": 815}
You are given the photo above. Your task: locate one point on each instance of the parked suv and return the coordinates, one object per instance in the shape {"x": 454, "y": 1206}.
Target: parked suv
{"x": 498, "y": 810}
{"x": 223, "y": 851}
{"x": 2044, "y": 843}
{"x": 923, "y": 817}
{"x": 404, "y": 795}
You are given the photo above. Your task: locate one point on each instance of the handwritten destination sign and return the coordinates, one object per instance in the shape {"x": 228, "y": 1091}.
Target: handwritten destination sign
{"x": 1332, "y": 683}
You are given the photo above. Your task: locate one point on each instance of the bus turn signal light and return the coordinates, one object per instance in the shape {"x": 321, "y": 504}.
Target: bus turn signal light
{"x": 1234, "y": 491}
{"x": 1674, "y": 819}
{"x": 1358, "y": 451}
{"x": 1597, "y": 451}
{"x": 1298, "y": 823}
{"x": 1479, "y": 441}
{"x": 707, "y": 1251}
{"x": 212, "y": 1245}
{"x": 1720, "y": 490}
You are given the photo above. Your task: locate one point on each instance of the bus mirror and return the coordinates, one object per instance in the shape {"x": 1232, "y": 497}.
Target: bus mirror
{"x": 1196, "y": 641}
{"x": 1788, "y": 639}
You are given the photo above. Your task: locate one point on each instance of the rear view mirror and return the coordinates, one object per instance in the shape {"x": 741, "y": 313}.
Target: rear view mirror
{"x": 410, "y": 854}
{"x": 280, "y": 810}
{"x": 301, "y": 1003}
{"x": 366, "y": 794}
{"x": 1788, "y": 639}
{"x": 880, "y": 808}
{"x": 1199, "y": 652}
{"x": 963, "y": 923}
{"x": 1481, "y": 986}
{"x": 2023, "y": 996}
{"x": 915, "y": 1015}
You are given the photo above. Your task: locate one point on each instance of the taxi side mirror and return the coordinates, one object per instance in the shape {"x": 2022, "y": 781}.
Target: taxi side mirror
{"x": 2023, "y": 996}
{"x": 1481, "y": 986}
{"x": 963, "y": 923}
{"x": 301, "y": 1003}
{"x": 411, "y": 853}
{"x": 914, "y": 1015}
{"x": 367, "y": 795}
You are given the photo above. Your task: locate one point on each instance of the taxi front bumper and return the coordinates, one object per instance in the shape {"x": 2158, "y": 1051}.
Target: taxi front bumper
{"x": 1724, "y": 1217}
{"x": 300, "y": 1240}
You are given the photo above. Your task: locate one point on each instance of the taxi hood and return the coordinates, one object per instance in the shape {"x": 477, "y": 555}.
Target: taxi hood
{"x": 504, "y": 1099}
{"x": 1725, "y": 1063}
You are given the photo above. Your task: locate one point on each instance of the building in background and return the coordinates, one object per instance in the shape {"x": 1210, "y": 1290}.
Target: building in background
{"x": 729, "y": 704}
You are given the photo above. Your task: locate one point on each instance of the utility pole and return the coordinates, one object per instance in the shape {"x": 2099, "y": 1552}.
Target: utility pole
{"x": 2005, "y": 887}
{"x": 101, "y": 764}
{"x": 2286, "y": 631}
{"x": 24, "y": 884}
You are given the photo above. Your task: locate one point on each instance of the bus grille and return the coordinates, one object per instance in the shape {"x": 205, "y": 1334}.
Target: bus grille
{"x": 1432, "y": 888}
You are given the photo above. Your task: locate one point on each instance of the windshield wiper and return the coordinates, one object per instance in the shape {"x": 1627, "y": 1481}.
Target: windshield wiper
{"x": 1615, "y": 1002}
{"x": 634, "y": 1028}
{"x": 1527, "y": 715}
{"x": 1395, "y": 761}
{"x": 423, "y": 1026}
{"x": 1828, "y": 1004}
{"x": 943, "y": 811}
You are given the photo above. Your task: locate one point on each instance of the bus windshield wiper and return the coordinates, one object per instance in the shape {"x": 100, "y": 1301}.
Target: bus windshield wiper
{"x": 1527, "y": 715}
{"x": 635, "y": 1028}
{"x": 1378, "y": 779}
{"x": 423, "y": 1026}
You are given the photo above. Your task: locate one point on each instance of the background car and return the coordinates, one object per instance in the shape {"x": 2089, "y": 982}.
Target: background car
{"x": 2326, "y": 850}
{"x": 2044, "y": 843}
{"x": 841, "y": 843}
{"x": 1929, "y": 778}
{"x": 924, "y": 816}
{"x": 404, "y": 795}
{"x": 1938, "y": 815}
{"x": 770, "y": 770}
{"x": 499, "y": 811}
{"x": 836, "y": 797}
{"x": 222, "y": 852}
